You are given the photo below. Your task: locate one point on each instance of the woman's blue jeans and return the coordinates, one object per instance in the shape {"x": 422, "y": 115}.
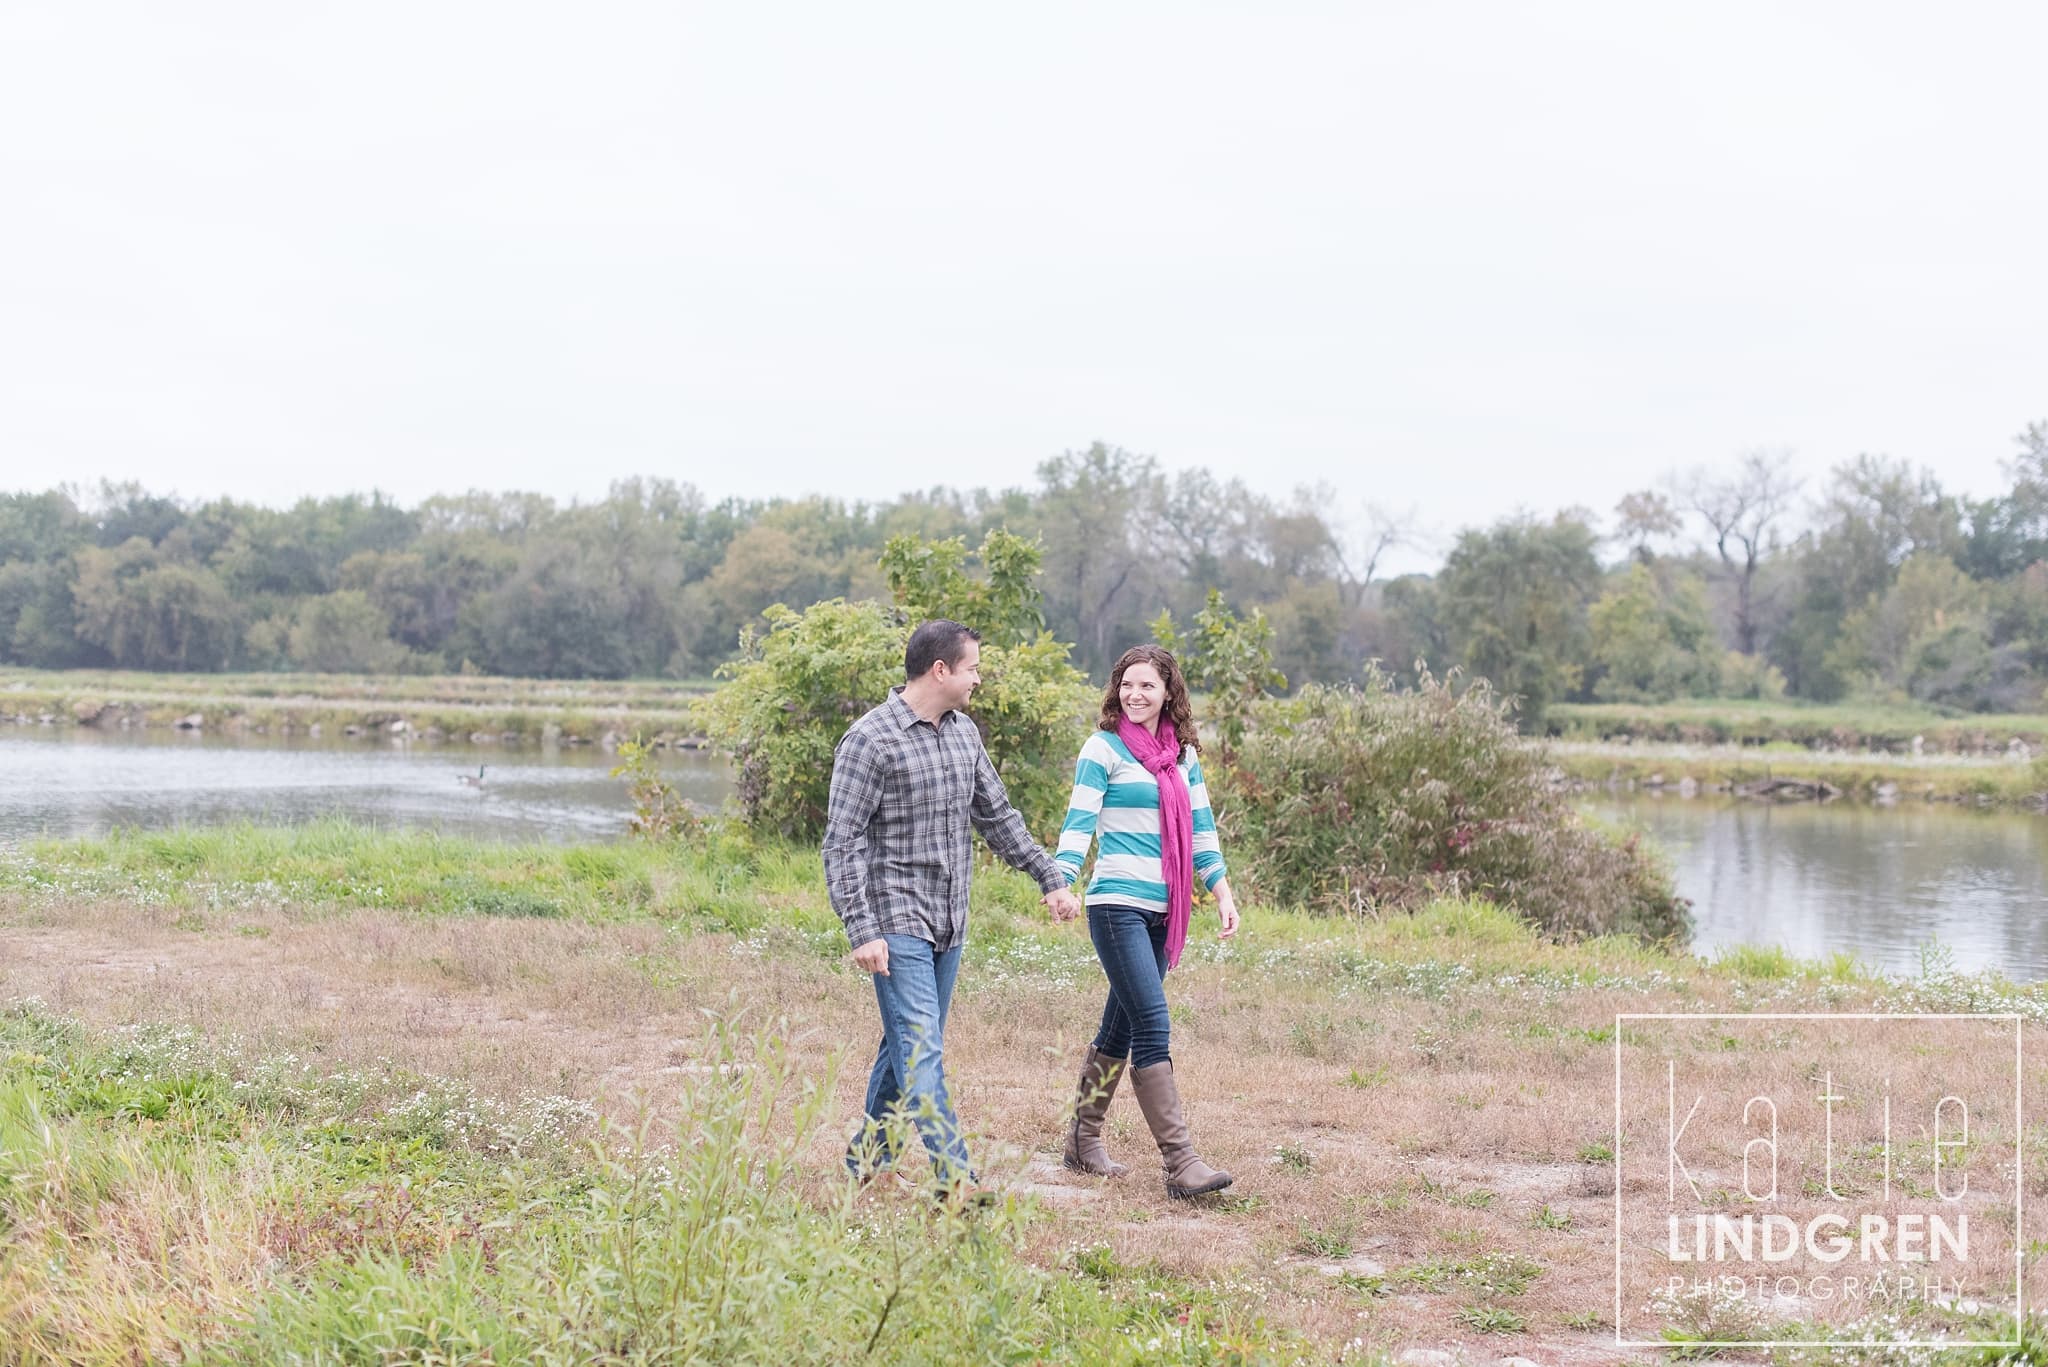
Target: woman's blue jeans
{"x": 909, "y": 1076}
{"x": 1131, "y": 945}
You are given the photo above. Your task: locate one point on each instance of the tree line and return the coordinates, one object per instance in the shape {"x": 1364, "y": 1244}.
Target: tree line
{"x": 1730, "y": 582}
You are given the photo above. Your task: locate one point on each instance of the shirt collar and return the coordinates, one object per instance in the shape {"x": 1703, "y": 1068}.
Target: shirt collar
{"x": 906, "y": 716}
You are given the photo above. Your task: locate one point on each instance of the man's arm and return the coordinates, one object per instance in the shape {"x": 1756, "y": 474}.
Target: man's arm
{"x": 1003, "y": 828}
{"x": 856, "y": 793}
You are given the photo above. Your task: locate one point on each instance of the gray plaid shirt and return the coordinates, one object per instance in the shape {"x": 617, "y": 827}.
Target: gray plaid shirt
{"x": 898, "y": 840}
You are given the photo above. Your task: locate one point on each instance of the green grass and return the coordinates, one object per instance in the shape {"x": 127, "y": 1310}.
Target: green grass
{"x": 729, "y": 883}
{"x": 297, "y": 1217}
{"x": 455, "y": 706}
{"x": 735, "y": 883}
{"x": 1860, "y": 775}
{"x": 1754, "y": 722}
{"x": 1491, "y": 1319}
{"x": 1333, "y": 1242}
{"x": 1489, "y": 1275}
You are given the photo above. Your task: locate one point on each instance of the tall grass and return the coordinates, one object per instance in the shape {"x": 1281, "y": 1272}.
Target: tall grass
{"x": 160, "y": 1204}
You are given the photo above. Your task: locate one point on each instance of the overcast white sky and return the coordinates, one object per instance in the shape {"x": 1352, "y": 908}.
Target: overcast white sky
{"x": 1464, "y": 257}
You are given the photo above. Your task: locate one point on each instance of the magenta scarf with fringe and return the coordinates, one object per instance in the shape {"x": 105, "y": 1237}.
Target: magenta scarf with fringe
{"x": 1160, "y": 755}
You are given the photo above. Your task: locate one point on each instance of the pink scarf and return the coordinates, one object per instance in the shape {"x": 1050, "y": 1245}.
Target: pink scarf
{"x": 1161, "y": 757}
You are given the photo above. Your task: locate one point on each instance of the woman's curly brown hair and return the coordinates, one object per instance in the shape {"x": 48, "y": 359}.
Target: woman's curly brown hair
{"x": 1177, "y": 709}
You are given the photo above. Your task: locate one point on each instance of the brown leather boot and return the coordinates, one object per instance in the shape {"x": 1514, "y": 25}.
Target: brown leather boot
{"x": 1186, "y": 1174}
{"x": 1085, "y": 1153}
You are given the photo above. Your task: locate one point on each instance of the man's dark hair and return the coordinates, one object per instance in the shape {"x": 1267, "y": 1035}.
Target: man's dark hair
{"x": 936, "y": 641}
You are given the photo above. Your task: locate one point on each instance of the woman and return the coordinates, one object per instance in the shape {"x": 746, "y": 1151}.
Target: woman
{"x": 1139, "y": 784}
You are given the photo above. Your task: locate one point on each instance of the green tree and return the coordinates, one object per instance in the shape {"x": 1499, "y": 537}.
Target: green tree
{"x": 38, "y": 620}
{"x": 2008, "y": 533}
{"x": 1653, "y": 640}
{"x": 1096, "y": 510}
{"x": 148, "y": 614}
{"x": 1874, "y": 515}
{"x": 344, "y": 632}
{"x": 1513, "y": 602}
{"x": 1928, "y": 638}
{"x": 562, "y": 615}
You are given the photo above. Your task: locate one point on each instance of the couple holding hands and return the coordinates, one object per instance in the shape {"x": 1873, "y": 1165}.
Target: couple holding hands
{"x": 911, "y": 783}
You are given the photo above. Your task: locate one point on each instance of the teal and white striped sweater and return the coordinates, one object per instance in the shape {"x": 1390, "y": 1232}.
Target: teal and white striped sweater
{"x": 1116, "y": 801}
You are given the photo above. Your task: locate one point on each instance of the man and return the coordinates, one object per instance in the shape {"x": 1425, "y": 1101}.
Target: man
{"x": 910, "y": 782}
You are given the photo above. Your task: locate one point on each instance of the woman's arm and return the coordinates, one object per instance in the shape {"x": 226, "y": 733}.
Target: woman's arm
{"x": 1226, "y": 907}
{"x": 1084, "y": 807}
{"x": 1209, "y": 866}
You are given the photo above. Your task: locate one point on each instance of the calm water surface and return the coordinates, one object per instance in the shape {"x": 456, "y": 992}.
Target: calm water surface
{"x": 76, "y": 781}
{"x": 1881, "y": 883}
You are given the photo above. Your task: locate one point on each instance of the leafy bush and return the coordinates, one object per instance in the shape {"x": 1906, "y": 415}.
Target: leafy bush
{"x": 798, "y": 686}
{"x": 1033, "y": 706}
{"x": 1368, "y": 798}
{"x": 659, "y": 811}
{"x": 790, "y": 696}
{"x": 1230, "y": 660}
{"x": 1751, "y": 676}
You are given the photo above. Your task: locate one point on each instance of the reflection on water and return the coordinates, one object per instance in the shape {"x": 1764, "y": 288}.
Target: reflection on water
{"x": 1880, "y": 883}
{"x": 77, "y": 781}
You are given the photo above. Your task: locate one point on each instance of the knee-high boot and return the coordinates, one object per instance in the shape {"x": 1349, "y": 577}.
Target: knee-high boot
{"x": 1085, "y": 1152}
{"x": 1159, "y": 1098}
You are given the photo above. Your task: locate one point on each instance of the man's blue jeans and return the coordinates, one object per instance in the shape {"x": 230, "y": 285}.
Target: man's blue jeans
{"x": 1132, "y": 947}
{"x": 909, "y": 1076}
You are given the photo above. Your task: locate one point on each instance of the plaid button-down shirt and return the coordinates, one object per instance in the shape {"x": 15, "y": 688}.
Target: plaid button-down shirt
{"x": 906, "y": 799}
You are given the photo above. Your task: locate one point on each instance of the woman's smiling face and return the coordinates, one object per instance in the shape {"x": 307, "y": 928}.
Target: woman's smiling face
{"x": 1142, "y": 695}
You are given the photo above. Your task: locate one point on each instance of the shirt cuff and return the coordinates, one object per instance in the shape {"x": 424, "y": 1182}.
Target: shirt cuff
{"x": 1052, "y": 877}
{"x": 861, "y": 928}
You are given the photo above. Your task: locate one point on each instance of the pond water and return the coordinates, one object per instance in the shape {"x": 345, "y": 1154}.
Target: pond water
{"x": 1881, "y": 883}
{"x": 78, "y": 781}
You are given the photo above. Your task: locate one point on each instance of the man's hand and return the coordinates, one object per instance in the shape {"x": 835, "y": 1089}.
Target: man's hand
{"x": 873, "y": 957}
{"x": 1063, "y": 905}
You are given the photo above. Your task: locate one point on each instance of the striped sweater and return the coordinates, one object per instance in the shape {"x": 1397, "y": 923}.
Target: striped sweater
{"x": 1116, "y": 801}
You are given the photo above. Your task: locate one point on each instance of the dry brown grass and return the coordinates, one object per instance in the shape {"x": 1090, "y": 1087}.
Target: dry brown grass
{"x": 1372, "y": 1127}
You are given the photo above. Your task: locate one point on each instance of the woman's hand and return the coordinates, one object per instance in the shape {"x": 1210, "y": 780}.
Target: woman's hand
{"x": 1226, "y": 907}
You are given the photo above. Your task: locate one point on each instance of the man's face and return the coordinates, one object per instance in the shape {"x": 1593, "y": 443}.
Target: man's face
{"x": 957, "y": 682}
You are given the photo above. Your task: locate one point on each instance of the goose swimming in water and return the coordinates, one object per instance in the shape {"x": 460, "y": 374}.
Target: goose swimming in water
{"x": 475, "y": 780}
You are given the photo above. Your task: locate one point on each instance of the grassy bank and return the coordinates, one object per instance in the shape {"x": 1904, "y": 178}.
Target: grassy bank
{"x": 1841, "y": 726}
{"x": 282, "y": 1093}
{"x": 1860, "y": 776}
{"x": 450, "y": 707}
